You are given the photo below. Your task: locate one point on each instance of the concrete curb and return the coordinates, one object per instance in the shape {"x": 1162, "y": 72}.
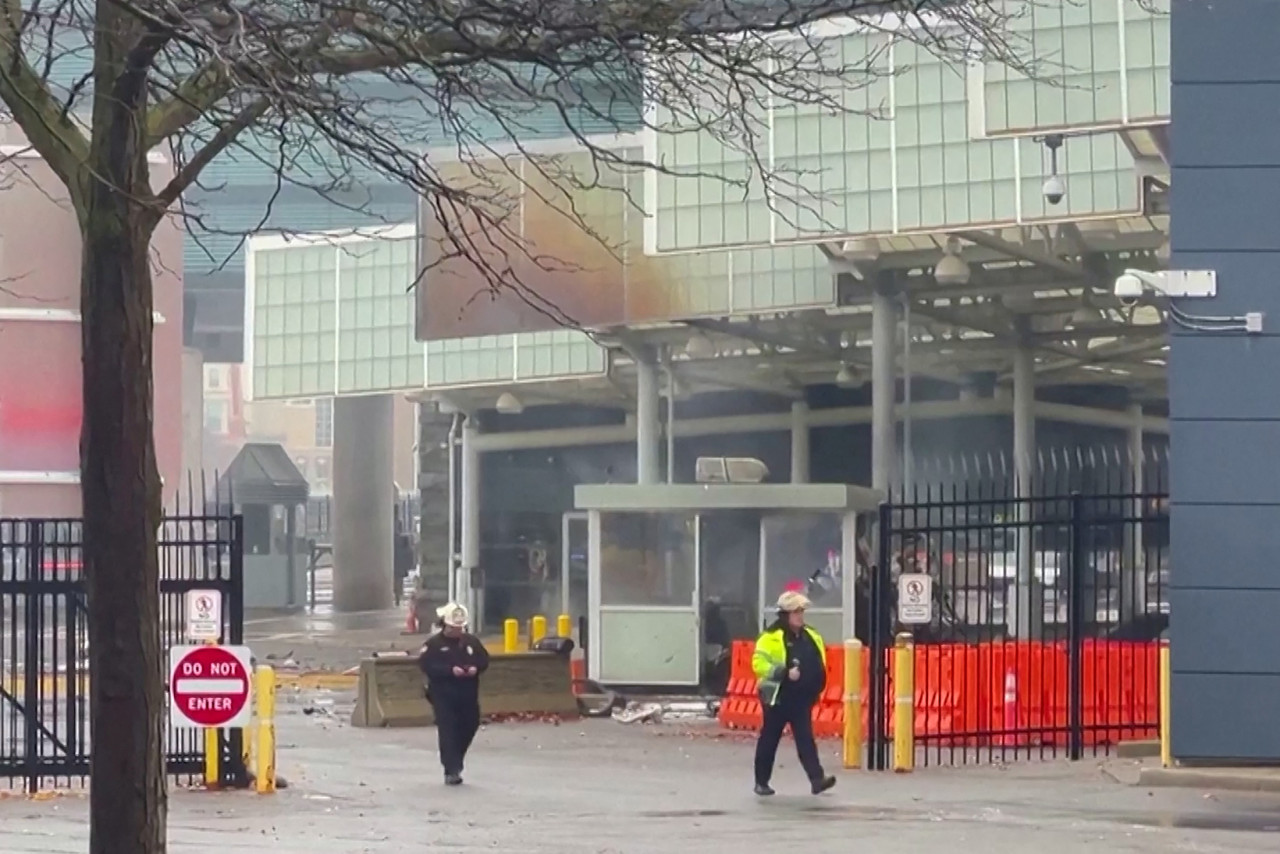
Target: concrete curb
{"x": 1138, "y": 749}
{"x": 1229, "y": 779}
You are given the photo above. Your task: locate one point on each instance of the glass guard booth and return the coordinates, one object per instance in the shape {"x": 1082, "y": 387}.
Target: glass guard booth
{"x": 657, "y": 555}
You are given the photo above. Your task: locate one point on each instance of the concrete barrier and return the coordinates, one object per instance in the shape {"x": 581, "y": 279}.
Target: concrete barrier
{"x": 389, "y": 691}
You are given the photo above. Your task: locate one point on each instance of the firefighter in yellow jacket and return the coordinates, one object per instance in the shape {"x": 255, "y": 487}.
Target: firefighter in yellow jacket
{"x": 790, "y": 663}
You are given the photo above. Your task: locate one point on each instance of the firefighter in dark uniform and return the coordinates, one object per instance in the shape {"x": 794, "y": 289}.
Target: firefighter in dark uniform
{"x": 453, "y": 661}
{"x": 790, "y": 663}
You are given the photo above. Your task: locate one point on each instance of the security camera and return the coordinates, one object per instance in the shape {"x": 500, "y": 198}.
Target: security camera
{"x": 1054, "y": 189}
{"x": 1128, "y": 286}
{"x": 1128, "y": 289}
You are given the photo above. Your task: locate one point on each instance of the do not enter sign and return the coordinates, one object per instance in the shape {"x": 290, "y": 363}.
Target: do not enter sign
{"x": 209, "y": 686}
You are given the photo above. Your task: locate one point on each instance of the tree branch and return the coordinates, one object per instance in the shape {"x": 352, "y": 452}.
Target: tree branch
{"x": 48, "y": 128}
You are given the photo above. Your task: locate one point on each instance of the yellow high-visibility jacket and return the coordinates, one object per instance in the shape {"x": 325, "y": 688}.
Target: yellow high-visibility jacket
{"x": 769, "y": 661}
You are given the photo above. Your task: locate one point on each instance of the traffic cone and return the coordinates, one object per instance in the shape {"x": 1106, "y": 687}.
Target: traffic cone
{"x": 1010, "y": 721}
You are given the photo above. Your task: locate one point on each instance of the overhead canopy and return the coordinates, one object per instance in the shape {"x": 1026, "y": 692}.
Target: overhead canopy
{"x": 263, "y": 473}
{"x": 838, "y": 497}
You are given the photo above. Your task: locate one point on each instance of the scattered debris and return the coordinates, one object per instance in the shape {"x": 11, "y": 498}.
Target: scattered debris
{"x": 671, "y": 710}
{"x": 639, "y": 713}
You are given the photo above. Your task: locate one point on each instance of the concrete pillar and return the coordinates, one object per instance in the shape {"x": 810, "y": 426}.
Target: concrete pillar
{"x": 883, "y": 388}
{"x": 648, "y": 422}
{"x": 1133, "y": 564}
{"x": 469, "y": 547}
{"x": 800, "y": 442}
{"x": 1028, "y": 598}
{"x": 363, "y": 514}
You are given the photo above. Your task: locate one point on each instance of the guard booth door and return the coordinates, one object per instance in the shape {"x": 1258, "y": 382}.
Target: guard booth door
{"x": 645, "y": 621}
{"x": 575, "y": 543}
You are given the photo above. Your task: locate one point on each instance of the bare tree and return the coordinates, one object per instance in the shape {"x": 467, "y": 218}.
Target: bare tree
{"x": 327, "y": 91}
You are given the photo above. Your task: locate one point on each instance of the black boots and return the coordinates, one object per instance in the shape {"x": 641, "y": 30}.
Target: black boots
{"x": 763, "y": 790}
{"x": 453, "y": 779}
{"x": 822, "y": 784}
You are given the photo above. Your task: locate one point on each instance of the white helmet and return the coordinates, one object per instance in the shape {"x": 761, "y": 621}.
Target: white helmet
{"x": 793, "y": 601}
{"x": 453, "y": 615}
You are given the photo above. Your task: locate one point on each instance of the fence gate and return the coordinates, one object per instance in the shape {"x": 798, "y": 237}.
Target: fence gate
{"x": 1046, "y": 623}
{"x": 44, "y": 639}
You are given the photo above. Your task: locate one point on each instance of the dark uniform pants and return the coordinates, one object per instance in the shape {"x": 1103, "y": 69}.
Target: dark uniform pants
{"x": 776, "y": 720}
{"x": 456, "y": 725}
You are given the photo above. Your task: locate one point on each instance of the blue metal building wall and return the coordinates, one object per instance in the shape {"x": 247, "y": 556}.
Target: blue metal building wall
{"x": 1223, "y": 389}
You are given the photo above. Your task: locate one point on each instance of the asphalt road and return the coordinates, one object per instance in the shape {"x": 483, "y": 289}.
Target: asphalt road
{"x": 600, "y": 787}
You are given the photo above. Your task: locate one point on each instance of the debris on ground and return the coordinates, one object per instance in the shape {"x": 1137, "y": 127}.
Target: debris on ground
{"x": 660, "y": 712}
{"x": 639, "y": 713}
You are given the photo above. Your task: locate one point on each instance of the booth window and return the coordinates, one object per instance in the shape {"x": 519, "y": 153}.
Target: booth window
{"x": 647, "y": 559}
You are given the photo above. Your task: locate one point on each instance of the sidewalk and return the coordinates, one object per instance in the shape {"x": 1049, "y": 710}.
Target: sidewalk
{"x": 598, "y": 786}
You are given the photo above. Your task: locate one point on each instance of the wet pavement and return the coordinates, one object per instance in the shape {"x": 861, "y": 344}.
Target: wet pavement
{"x": 599, "y": 787}
{"x": 328, "y": 641}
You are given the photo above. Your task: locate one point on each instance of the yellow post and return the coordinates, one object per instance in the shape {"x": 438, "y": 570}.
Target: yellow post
{"x": 564, "y": 626}
{"x": 212, "y": 771}
{"x": 852, "y": 704}
{"x": 212, "y": 752}
{"x": 537, "y": 629}
{"x": 904, "y": 711}
{"x": 510, "y": 635}
{"x": 1166, "y": 734}
{"x": 264, "y": 687}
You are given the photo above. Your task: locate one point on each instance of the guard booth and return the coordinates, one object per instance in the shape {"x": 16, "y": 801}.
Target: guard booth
{"x": 658, "y": 554}
{"x": 267, "y": 489}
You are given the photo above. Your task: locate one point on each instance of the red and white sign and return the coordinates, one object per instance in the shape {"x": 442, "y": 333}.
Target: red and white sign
{"x": 209, "y": 686}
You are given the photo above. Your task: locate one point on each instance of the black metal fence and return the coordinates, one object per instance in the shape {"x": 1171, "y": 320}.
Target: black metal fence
{"x": 1048, "y": 606}
{"x": 44, "y": 638}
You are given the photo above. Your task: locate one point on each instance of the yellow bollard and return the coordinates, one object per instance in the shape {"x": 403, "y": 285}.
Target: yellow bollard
{"x": 564, "y": 626}
{"x": 510, "y": 635}
{"x": 904, "y": 711}
{"x": 264, "y": 687}
{"x": 537, "y": 629}
{"x": 212, "y": 749}
{"x": 1166, "y": 678}
{"x": 852, "y": 704}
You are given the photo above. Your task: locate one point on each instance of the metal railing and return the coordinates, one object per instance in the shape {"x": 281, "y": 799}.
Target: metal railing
{"x": 1048, "y": 605}
{"x": 44, "y": 637}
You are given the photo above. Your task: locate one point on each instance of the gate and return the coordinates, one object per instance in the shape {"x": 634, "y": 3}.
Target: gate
{"x": 44, "y": 640}
{"x": 1047, "y": 616}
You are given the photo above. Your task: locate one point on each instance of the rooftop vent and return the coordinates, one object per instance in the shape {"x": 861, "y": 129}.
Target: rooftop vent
{"x": 730, "y": 470}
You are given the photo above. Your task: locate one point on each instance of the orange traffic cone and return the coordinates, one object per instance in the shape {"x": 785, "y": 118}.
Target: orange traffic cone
{"x": 1010, "y": 722}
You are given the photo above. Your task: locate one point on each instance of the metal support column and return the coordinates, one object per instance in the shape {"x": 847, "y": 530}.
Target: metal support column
{"x": 1028, "y": 600}
{"x": 648, "y": 422}
{"x": 363, "y": 520}
{"x": 800, "y": 442}
{"x": 883, "y": 385}
{"x": 464, "y": 587}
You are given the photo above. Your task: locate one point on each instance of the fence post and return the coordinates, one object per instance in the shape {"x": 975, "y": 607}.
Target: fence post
{"x": 1078, "y": 566}
{"x": 33, "y": 655}
{"x": 878, "y": 598}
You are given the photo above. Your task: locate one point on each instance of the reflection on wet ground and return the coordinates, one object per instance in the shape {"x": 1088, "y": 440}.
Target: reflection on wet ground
{"x": 1228, "y": 819}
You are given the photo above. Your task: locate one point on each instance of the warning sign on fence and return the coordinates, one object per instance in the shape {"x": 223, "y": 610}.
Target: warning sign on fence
{"x": 915, "y": 599}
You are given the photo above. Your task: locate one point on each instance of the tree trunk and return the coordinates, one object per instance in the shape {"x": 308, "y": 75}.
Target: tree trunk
{"x": 120, "y": 486}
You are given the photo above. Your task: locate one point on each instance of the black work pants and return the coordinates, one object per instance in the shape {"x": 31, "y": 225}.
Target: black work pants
{"x": 776, "y": 720}
{"x": 457, "y": 721}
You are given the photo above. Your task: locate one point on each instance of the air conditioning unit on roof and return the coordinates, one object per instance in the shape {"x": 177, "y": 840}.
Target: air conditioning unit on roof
{"x": 730, "y": 470}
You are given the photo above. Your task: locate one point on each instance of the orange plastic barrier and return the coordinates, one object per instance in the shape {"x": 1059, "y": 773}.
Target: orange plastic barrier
{"x": 1010, "y": 694}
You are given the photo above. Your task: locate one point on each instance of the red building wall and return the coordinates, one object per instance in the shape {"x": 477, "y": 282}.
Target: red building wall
{"x": 40, "y": 387}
